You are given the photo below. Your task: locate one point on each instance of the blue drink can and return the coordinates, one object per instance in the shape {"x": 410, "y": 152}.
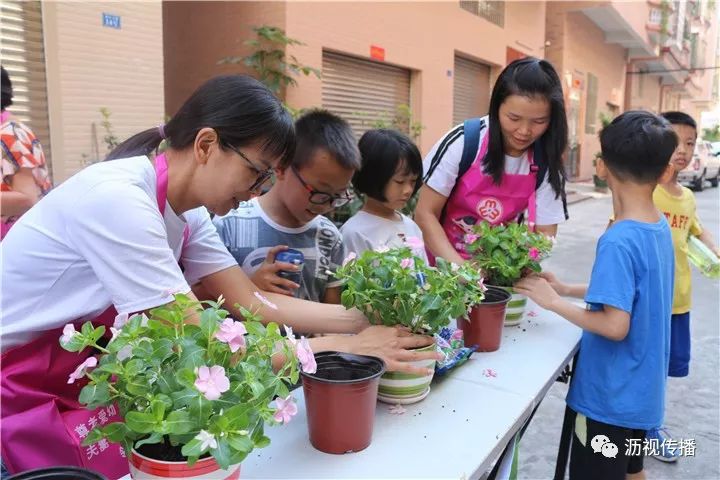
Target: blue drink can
{"x": 295, "y": 257}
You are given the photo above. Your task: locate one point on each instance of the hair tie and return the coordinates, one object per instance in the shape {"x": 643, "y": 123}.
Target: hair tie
{"x": 161, "y": 131}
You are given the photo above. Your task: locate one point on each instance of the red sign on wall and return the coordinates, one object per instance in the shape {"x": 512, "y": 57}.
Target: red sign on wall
{"x": 377, "y": 53}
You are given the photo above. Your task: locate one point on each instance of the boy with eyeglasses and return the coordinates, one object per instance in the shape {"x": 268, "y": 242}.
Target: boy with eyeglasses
{"x": 290, "y": 214}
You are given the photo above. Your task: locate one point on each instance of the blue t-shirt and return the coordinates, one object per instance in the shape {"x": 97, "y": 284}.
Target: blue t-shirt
{"x": 623, "y": 383}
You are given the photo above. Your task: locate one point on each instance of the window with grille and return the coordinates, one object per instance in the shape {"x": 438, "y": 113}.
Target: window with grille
{"x": 492, "y": 11}
{"x": 655, "y": 16}
{"x": 591, "y": 104}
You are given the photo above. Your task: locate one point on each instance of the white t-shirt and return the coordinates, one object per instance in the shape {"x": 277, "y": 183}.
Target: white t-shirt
{"x": 99, "y": 239}
{"x": 443, "y": 165}
{"x": 365, "y": 231}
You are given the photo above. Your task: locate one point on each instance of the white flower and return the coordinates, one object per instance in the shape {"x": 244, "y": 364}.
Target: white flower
{"x": 382, "y": 249}
{"x": 68, "y": 333}
{"x": 124, "y": 353}
{"x": 207, "y": 440}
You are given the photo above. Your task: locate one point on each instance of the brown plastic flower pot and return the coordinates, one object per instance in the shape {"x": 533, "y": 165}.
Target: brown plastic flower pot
{"x": 340, "y": 400}
{"x": 485, "y": 326}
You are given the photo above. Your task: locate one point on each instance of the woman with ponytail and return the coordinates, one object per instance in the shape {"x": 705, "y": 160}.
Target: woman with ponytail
{"x": 111, "y": 240}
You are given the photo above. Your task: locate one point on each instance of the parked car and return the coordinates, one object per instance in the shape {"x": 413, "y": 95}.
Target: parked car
{"x": 704, "y": 166}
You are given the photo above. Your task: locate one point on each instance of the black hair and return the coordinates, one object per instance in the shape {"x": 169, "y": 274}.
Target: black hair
{"x": 239, "y": 108}
{"x": 321, "y": 129}
{"x": 637, "y": 146}
{"x": 529, "y": 77}
{"x": 383, "y": 151}
{"x": 679, "y": 118}
{"x": 5, "y": 89}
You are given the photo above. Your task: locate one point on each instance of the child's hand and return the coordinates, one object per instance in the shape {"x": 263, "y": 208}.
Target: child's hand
{"x": 266, "y": 277}
{"x": 538, "y": 290}
{"x": 556, "y": 284}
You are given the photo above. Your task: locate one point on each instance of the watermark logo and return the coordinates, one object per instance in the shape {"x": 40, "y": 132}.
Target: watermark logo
{"x": 602, "y": 444}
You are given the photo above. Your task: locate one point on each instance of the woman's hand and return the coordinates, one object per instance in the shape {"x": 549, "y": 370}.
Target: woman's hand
{"x": 393, "y": 346}
{"x": 266, "y": 277}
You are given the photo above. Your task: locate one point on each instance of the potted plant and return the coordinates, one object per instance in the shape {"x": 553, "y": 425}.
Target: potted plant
{"x": 194, "y": 399}
{"x": 396, "y": 287}
{"x": 600, "y": 184}
{"x": 506, "y": 253}
{"x": 340, "y": 398}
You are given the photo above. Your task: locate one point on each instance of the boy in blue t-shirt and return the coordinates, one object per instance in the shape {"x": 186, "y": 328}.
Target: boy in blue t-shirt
{"x": 618, "y": 389}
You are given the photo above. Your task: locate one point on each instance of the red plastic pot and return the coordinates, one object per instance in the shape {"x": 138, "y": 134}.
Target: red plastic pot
{"x": 340, "y": 399}
{"x": 145, "y": 468}
{"x": 485, "y": 326}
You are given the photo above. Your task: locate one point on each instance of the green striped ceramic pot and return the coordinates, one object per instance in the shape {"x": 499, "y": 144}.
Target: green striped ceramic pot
{"x": 396, "y": 387}
{"x": 515, "y": 308}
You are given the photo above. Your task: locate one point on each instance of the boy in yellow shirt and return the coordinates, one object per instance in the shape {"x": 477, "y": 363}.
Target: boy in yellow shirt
{"x": 677, "y": 203}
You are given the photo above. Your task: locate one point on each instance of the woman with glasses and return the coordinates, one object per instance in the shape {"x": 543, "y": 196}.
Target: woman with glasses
{"x": 124, "y": 235}
{"x": 290, "y": 214}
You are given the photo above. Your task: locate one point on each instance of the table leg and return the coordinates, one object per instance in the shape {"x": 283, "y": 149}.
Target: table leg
{"x": 565, "y": 437}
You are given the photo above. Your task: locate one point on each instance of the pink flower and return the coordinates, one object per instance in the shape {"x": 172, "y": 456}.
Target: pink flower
{"x": 352, "y": 256}
{"x": 80, "y": 370}
{"x": 264, "y": 300}
{"x": 286, "y": 409}
{"x": 397, "y": 409}
{"x": 534, "y": 253}
{"x": 481, "y": 284}
{"x": 290, "y": 335}
{"x": 232, "y": 333}
{"x": 305, "y": 355}
{"x": 212, "y": 381}
{"x": 68, "y": 333}
{"x": 120, "y": 320}
{"x": 454, "y": 267}
{"x": 407, "y": 263}
{"x": 532, "y": 313}
{"x": 470, "y": 238}
{"x": 489, "y": 372}
{"x": 414, "y": 243}
{"x": 382, "y": 249}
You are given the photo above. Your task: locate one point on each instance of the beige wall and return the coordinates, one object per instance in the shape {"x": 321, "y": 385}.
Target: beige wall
{"x": 90, "y": 66}
{"x": 577, "y": 48}
{"x": 421, "y": 36}
{"x": 643, "y": 90}
{"x": 703, "y": 100}
{"x": 198, "y": 34}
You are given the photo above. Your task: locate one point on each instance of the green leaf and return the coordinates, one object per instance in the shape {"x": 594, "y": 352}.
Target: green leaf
{"x": 138, "y": 386}
{"x": 241, "y": 443}
{"x": 140, "y": 422}
{"x": 75, "y": 344}
{"x": 200, "y": 409}
{"x": 167, "y": 383}
{"x": 94, "y": 436}
{"x": 222, "y": 453}
{"x": 162, "y": 349}
{"x": 186, "y": 377}
{"x": 179, "y": 422}
{"x": 94, "y": 395}
{"x": 158, "y": 410}
{"x": 262, "y": 442}
{"x": 237, "y": 416}
{"x": 115, "y": 431}
{"x": 183, "y": 398}
{"x": 192, "y": 448}
{"x": 192, "y": 356}
{"x": 134, "y": 367}
{"x": 154, "y": 438}
{"x": 143, "y": 349}
{"x": 87, "y": 329}
{"x": 209, "y": 321}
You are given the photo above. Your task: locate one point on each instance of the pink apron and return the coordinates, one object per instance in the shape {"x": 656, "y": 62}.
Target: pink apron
{"x": 476, "y": 198}
{"x": 43, "y": 424}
